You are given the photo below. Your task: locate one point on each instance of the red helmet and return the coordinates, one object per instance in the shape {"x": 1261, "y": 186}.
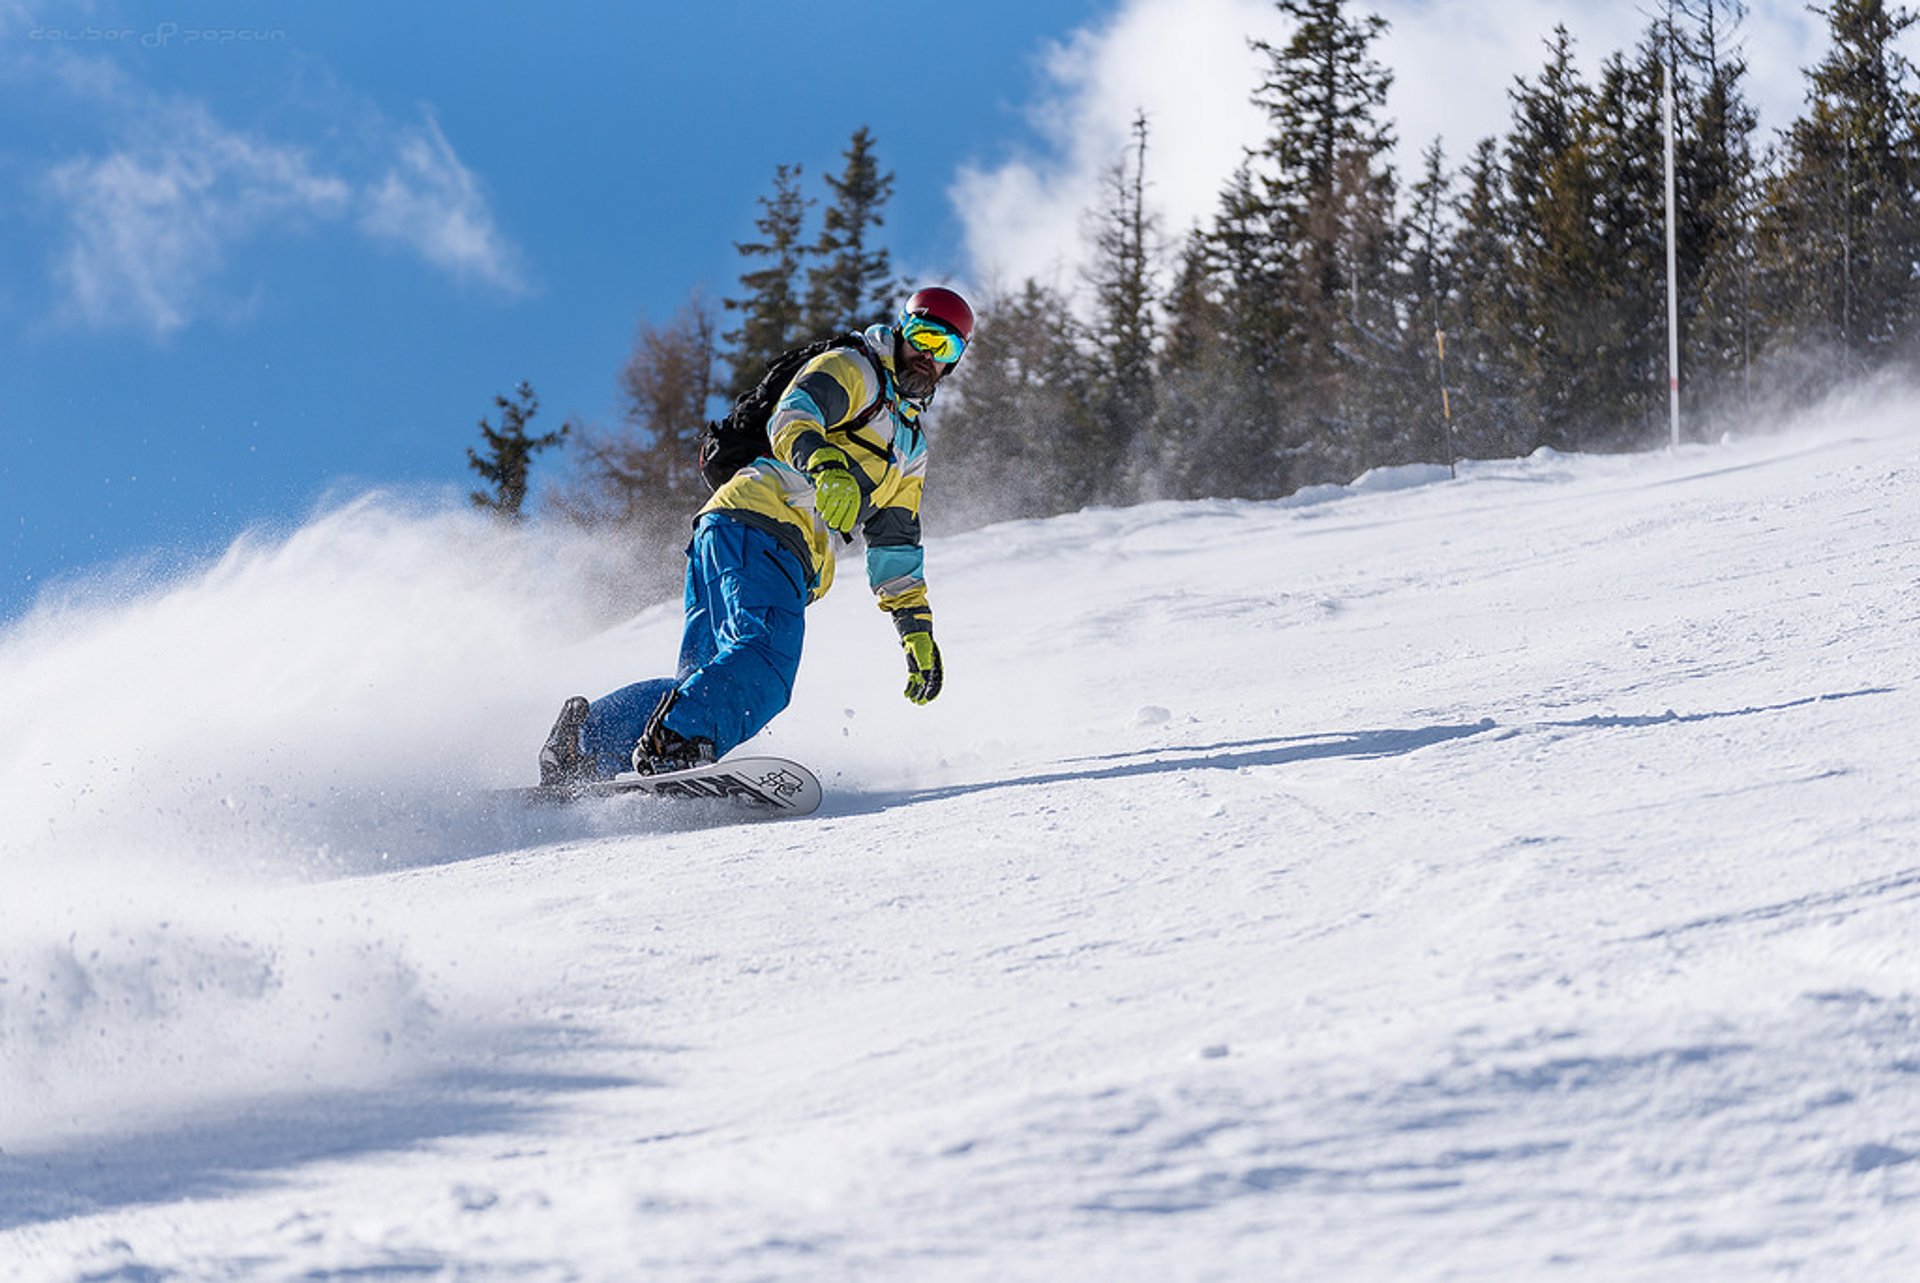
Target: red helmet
{"x": 937, "y": 303}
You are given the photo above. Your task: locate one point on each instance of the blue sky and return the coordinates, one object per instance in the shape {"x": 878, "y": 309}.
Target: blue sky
{"x": 240, "y": 271}
{"x": 253, "y": 256}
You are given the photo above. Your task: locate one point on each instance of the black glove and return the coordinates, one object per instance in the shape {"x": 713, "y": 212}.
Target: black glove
{"x": 924, "y": 671}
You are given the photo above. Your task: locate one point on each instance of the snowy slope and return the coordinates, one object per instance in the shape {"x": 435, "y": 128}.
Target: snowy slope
{"x": 1504, "y": 877}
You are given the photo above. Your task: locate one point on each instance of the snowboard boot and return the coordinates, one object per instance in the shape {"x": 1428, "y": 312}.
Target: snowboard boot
{"x": 662, "y": 749}
{"x": 562, "y": 761}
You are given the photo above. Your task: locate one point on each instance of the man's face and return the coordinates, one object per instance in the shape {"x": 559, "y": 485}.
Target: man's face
{"x": 916, "y": 372}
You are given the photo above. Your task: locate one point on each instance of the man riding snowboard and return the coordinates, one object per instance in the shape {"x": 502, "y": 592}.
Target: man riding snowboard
{"x": 846, "y": 448}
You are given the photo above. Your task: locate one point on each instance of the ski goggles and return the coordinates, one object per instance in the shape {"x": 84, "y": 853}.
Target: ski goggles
{"x": 933, "y": 338}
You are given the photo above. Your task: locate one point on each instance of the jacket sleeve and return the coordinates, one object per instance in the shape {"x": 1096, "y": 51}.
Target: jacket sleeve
{"x": 896, "y": 563}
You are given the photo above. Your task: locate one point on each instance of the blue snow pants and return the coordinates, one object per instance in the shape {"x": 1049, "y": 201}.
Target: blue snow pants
{"x": 746, "y": 604}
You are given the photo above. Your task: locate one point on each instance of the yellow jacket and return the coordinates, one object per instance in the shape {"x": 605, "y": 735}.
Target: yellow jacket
{"x": 888, "y": 453}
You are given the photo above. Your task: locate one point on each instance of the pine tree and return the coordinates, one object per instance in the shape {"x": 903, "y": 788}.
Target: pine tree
{"x": 1121, "y": 277}
{"x": 1323, "y": 188}
{"x": 1321, "y": 93}
{"x": 1195, "y": 340}
{"x": 510, "y": 451}
{"x": 1487, "y": 333}
{"x": 770, "y": 310}
{"x": 1007, "y": 438}
{"x": 1717, "y": 177}
{"x": 851, "y": 284}
{"x": 1623, "y": 388}
{"x": 1380, "y": 374}
{"x": 1430, "y": 310}
{"x": 1841, "y": 229}
{"x": 1197, "y": 317}
{"x": 1560, "y": 287}
{"x": 1248, "y": 261}
{"x": 1214, "y": 416}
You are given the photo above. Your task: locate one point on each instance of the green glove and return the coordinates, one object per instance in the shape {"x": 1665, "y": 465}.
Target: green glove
{"x": 836, "y": 494}
{"x": 924, "y": 671}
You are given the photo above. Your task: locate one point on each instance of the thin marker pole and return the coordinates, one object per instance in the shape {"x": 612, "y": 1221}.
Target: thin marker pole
{"x": 1673, "y": 290}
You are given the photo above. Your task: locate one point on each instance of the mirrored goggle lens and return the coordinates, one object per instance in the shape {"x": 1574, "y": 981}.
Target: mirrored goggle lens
{"x": 936, "y": 340}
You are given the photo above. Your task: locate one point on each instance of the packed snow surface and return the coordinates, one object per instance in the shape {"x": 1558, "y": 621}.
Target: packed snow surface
{"x": 1509, "y": 876}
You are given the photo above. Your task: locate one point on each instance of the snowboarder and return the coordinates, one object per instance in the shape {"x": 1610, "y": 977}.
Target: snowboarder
{"x": 846, "y": 448}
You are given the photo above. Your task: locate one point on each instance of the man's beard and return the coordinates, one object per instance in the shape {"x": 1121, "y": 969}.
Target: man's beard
{"x": 915, "y": 384}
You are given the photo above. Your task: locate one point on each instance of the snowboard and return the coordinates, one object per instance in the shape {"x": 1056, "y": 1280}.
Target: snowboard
{"x": 766, "y": 786}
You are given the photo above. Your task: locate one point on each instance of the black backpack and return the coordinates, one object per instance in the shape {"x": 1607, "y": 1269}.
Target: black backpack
{"x": 730, "y": 444}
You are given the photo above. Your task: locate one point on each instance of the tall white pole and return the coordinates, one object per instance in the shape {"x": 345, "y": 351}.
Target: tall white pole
{"x": 1673, "y": 288}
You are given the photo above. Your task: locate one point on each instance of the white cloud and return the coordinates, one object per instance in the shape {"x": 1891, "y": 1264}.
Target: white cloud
{"x": 429, "y": 202}
{"x": 1188, "y": 65}
{"x": 151, "y": 224}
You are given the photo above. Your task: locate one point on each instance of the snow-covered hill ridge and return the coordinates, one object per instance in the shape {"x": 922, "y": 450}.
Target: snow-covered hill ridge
{"x": 1502, "y": 877}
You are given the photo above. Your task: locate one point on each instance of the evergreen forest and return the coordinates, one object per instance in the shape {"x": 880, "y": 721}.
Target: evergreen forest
{"x": 1335, "y": 315}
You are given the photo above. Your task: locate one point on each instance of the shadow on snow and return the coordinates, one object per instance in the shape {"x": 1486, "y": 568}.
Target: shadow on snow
{"x": 256, "y": 1141}
{"x": 1238, "y": 755}
{"x": 1286, "y": 750}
